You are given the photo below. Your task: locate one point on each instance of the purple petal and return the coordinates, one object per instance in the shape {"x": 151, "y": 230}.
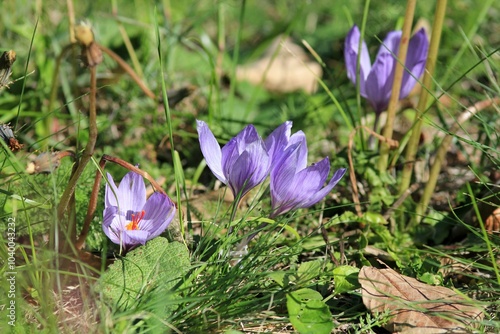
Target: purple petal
{"x": 300, "y": 138}
{"x": 321, "y": 193}
{"x": 113, "y": 224}
{"x": 131, "y": 192}
{"x": 246, "y": 136}
{"x": 211, "y": 150}
{"x": 390, "y": 45}
{"x": 381, "y": 77}
{"x": 290, "y": 190}
{"x": 278, "y": 140}
{"x": 283, "y": 181}
{"x": 296, "y": 150}
{"x": 379, "y": 82}
{"x": 111, "y": 192}
{"x": 135, "y": 237}
{"x": 351, "y": 46}
{"x": 250, "y": 169}
{"x": 159, "y": 212}
{"x": 229, "y": 156}
{"x": 415, "y": 62}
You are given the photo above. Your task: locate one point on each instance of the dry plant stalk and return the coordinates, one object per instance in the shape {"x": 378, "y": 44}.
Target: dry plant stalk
{"x": 443, "y": 148}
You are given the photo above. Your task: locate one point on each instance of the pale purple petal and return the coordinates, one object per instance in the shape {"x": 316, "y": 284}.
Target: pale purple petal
{"x": 250, "y": 169}
{"x": 297, "y": 148}
{"x": 381, "y": 77}
{"x": 312, "y": 178}
{"x": 159, "y": 212}
{"x": 278, "y": 140}
{"x": 293, "y": 189}
{"x": 211, "y": 150}
{"x": 351, "y": 47}
{"x": 415, "y": 62}
{"x": 390, "y": 45}
{"x": 113, "y": 224}
{"x": 111, "y": 192}
{"x": 246, "y": 137}
{"x": 321, "y": 193}
{"x": 229, "y": 156}
{"x": 135, "y": 237}
{"x": 300, "y": 138}
{"x": 284, "y": 182}
{"x": 379, "y": 82}
{"x": 131, "y": 192}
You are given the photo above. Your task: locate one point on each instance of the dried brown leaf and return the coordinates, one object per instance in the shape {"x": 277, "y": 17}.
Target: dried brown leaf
{"x": 284, "y": 68}
{"x": 416, "y": 307}
{"x": 492, "y": 223}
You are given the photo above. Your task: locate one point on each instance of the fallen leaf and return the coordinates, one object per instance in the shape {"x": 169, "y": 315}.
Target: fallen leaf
{"x": 492, "y": 223}
{"x": 416, "y": 307}
{"x": 284, "y": 68}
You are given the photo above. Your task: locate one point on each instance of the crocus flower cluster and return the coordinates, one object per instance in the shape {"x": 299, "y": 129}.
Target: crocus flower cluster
{"x": 375, "y": 82}
{"x": 130, "y": 219}
{"x": 246, "y": 160}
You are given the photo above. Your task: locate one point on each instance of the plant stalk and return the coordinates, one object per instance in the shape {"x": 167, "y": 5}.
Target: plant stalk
{"x": 412, "y": 147}
{"x": 441, "y": 154}
{"x": 396, "y": 85}
{"x": 88, "y": 151}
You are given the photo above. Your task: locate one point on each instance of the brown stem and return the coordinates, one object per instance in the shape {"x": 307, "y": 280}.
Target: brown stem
{"x": 129, "y": 71}
{"x": 88, "y": 151}
{"x": 137, "y": 170}
{"x": 92, "y": 206}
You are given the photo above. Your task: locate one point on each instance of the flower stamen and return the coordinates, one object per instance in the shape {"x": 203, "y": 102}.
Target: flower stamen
{"x": 136, "y": 219}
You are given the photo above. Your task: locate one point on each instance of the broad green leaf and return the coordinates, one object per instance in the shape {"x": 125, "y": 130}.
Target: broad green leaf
{"x": 308, "y": 312}
{"x": 158, "y": 265}
{"x": 346, "y": 279}
{"x": 309, "y": 270}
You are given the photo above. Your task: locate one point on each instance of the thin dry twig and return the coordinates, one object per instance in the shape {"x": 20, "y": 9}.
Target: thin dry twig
{"x": 130, "y": 71}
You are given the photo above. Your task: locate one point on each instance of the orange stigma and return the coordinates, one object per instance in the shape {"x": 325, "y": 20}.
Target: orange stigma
{"x": 136, "y": 218}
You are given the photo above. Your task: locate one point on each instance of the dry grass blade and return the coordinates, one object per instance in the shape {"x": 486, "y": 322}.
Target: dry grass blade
{"x": 416, "y": 307}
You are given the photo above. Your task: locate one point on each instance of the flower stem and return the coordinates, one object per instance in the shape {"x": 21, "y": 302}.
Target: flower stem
{"x": 92, "y": 206}
{"x": 396, "y": 86}
{"x": 411, "y": 149}
{"x": 236, "y": 203}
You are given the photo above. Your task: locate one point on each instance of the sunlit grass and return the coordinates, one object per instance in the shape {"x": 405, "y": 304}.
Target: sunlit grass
{"x": 190, "y": 51}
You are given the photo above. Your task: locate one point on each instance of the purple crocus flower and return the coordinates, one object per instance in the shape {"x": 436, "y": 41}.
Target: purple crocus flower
{"x": 129, "y": 219}
{"x": 242, "y": 164}
{"x": 376, "y": 81}
{"x": 293, "y": 184}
